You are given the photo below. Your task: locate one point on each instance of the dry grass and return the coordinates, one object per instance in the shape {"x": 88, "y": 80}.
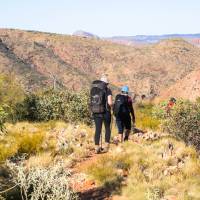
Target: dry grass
{"x": 153, "y": 172}
{"x": 54, "y": 138}
{"x": 144, "y": 117}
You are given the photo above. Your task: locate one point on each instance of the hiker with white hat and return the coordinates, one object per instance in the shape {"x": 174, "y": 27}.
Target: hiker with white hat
{"x": 100, "y": 105}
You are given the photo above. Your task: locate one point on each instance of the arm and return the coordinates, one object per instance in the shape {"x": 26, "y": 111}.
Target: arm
{"x": 131, "y": 110}
{"x": 110, "y": 103}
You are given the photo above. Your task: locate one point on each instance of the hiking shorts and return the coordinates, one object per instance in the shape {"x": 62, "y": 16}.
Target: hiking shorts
{"x": 123, "y": 122}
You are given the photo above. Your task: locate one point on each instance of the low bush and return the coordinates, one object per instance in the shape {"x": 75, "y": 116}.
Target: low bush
{"x": 184, "y": 122}
{"x": 42, "y": 183}
{"x": 55, "y": 105}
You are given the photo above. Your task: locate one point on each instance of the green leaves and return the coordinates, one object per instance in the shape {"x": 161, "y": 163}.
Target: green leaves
{"x": 184, "y": 122}
{"x": 56, "y": 105}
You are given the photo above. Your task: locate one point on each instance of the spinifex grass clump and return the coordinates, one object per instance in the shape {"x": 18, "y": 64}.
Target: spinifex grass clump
{"x": 21, "y": 139}
{"x": 110, "y": 169}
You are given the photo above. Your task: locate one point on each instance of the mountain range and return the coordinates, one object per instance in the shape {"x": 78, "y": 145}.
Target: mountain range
{"x": 143, "y": 39}
{"x": 40, "y": 60}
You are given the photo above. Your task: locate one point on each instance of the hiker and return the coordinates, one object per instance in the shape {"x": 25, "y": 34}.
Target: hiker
{"x": 170, "y": 105}
{"x": 101, "y": 103}
{"x": 123, "y": 107}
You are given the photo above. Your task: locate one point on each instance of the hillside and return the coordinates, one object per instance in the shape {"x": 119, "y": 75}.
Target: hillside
{"x": 38, "y": 59}
{"x": 187, "y": 88}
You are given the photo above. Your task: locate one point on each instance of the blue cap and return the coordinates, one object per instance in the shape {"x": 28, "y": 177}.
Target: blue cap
{"x": 125, "y": 89}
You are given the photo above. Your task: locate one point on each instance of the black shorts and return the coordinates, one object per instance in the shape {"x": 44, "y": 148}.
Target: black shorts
{"x": 123, "y": 122}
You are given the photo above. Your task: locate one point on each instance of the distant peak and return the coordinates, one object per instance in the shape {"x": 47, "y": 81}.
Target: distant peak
{"x": 82, "y": 33}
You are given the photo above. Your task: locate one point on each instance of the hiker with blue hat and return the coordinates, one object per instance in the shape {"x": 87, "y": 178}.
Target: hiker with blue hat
{"x": 123, "y": 111}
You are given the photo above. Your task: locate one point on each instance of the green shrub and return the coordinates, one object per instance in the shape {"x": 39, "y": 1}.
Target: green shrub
{"x": 184, "y": 122}
{"x": 159, "y": 111}
{"x": 55, "y": 105}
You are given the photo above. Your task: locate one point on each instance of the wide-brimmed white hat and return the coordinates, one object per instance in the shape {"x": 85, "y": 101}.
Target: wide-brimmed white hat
{"x": 104, "y": 79}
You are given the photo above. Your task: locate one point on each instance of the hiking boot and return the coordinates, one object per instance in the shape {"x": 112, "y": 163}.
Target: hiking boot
{"x": 98, "y": 150}
{"x": 120, "y": 138}
{"x": 105, "y": 149}
{"x": 126, "y": 136}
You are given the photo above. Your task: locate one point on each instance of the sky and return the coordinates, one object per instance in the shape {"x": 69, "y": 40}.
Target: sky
{"x": 103, "y": 17}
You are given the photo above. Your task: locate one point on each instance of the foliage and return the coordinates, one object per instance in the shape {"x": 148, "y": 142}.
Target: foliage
{"x": 41, "y": 183}
{"x": 145, "y": 118}
{"x": 20, "y": 143}
{"x": 55, "y": 105}
{"x": 159, "y": 110}
{"x": 3, "y": 116}
{"x": 184, "y": 122}
{"x": 11, "y": 93}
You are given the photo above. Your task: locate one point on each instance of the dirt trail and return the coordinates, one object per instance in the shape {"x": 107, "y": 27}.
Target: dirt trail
{"x": 88, "y": 189}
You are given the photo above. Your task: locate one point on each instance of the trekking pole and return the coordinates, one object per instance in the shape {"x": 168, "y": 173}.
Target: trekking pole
{"x": 101, "y": 142}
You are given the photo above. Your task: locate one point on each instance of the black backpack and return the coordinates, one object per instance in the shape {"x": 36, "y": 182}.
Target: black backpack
{"x": 98, "y": 97}
{"x": 120, "y": 105}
